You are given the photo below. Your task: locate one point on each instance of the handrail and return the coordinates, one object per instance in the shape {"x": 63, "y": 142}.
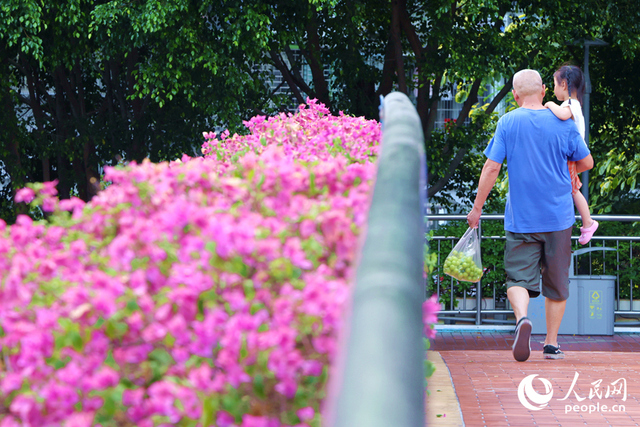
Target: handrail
{"x": 459, "y": 217}
{"x": 379, "y": 376}
{"x": 452, "y": 217}
{"x": 478, "y": 311}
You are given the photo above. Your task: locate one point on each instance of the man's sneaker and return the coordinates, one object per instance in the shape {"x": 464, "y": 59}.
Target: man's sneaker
{"x": 552, "y": 352}
{"x": 521, "y": 348}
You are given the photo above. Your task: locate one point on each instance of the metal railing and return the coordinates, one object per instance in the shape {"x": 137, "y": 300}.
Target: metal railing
{"x": 379, "y": 375}
{"x": 494, "y": 309}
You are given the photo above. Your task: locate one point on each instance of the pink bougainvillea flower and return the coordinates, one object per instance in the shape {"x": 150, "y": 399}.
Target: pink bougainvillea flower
{"x": 11, "y": 381}
{"x": 25, "y": 408}
{"x": 259, "y": 421}
{"x": 224, "y": 419}
{"x": 105, "y": 378}
{"x": 71, "y": 204}
{"x": 430, "y": 309}
{"x": 25, "y": 195}
{"x": 306, "y": 414}
{"x": 80, "y": 419}
{"x": 9, "y": 421}
{"x": 133, "y": 397}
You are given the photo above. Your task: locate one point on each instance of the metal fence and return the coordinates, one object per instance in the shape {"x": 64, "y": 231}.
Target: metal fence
{"x": 486, "y": 304}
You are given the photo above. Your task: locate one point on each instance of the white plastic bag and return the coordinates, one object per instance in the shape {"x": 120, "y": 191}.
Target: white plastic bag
{"x": 464, "y": 262}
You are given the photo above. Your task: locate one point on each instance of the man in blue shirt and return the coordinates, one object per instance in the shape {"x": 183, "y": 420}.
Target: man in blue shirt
{"x": 539, "y": 213}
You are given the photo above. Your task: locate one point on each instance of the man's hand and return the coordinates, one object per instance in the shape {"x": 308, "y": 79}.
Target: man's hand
{"x": 474, "y": 217}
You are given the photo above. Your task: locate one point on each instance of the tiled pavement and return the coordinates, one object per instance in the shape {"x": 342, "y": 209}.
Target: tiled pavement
{"x": 477, "y": 381}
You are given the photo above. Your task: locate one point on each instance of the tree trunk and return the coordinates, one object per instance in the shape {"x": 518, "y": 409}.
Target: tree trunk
{"x": 9, "y": 132}
{"x": 9, "y": 123}
{"x": 421, "y": 53}
{"x": 137, "y": 151}
{"x": 321, "y": 87}
{"x": 46, "y": 169}
{"x": 386, "y": 83}
{"x": 397, "y": 46}
{"x": 287, "y": 75}
{"x": 92, "y": 179}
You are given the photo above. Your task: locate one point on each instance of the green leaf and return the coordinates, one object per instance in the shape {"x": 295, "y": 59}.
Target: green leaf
{"x": 112, "y": 403}
{"x": 115, "y": 329}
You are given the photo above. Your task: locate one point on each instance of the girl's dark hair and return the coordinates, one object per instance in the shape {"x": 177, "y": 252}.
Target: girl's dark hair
{"x": 574, "y": 78}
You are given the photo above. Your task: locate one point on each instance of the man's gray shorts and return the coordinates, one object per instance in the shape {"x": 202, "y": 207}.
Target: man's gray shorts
{"x": 527, "y": 254}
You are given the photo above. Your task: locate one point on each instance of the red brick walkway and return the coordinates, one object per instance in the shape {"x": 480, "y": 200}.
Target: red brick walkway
{"x": 486, "y": 382}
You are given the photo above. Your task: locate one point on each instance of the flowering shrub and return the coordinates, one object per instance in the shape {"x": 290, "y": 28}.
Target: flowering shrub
{"x": 200, "y": 292}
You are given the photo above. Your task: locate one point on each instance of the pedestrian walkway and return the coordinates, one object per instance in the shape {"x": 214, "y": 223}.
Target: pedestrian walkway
{"x": 479, "y": 384}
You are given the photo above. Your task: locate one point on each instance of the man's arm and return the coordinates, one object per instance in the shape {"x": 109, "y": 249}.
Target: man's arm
{"x": 584, "y": 164}
{"x": 490, "y": 172}
{"x": 563, "y": 113}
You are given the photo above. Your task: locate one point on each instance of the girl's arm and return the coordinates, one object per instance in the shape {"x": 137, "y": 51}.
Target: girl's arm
{"x": 563, "y": 113}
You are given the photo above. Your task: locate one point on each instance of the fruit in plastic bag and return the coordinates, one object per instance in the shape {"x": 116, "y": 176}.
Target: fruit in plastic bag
{"x": 464, "y": 262}
{"x": 462, "y": 267}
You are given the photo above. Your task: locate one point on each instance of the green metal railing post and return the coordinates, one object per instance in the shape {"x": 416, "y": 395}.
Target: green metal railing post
{"x": 379, "y": 379}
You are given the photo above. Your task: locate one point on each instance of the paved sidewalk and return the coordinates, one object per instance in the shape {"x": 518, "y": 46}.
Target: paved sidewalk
{"x": 443, "y": 408}
{"x": 479, "y": 370}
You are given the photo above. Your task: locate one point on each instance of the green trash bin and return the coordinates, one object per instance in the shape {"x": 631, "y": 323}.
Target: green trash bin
{"x": 596, "y": 299}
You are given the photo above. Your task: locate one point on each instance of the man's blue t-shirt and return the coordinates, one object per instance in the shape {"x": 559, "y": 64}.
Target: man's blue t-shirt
{"x": 537, "y": 146}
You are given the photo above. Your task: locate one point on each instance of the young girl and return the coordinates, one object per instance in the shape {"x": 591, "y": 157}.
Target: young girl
{"x": 569, "y": 87}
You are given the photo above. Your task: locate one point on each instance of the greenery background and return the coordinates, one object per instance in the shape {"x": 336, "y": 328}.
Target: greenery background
{"x": 84, "y": 84}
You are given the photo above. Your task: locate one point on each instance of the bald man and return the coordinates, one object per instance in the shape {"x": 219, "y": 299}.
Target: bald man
{"x": 539, "y": 213}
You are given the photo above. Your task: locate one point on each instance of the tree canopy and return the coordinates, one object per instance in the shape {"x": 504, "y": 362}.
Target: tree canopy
{"x": 86, "y": 83}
